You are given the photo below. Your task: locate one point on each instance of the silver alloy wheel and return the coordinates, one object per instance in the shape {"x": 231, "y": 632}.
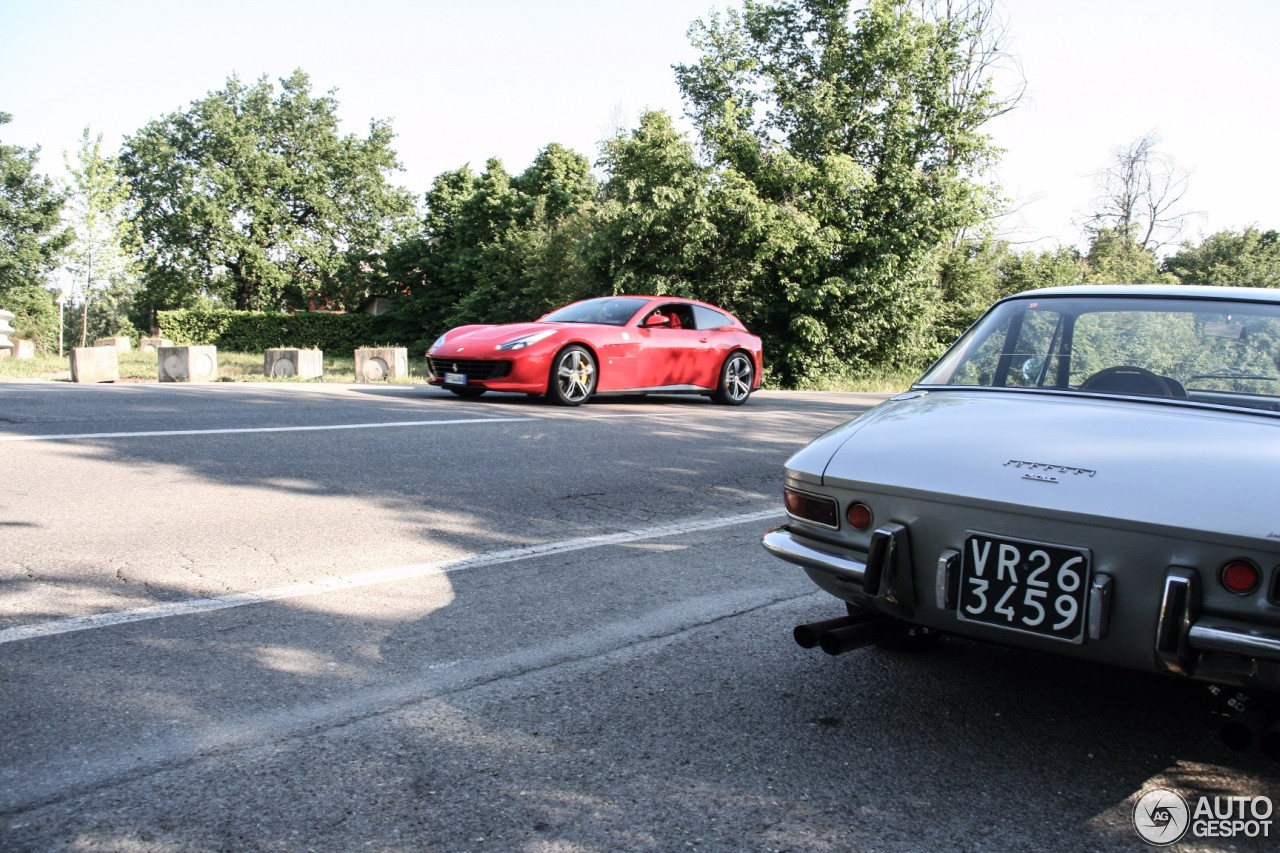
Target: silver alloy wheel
{"x": 575, "y": 376}
{"x": 735, "y": 380}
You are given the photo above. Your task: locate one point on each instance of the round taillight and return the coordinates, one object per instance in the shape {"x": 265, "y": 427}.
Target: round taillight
{"x": 859, "y": 516}
{"x": 1240, "y": 577}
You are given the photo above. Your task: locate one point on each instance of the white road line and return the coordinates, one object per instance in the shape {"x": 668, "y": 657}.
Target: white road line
{"x": 237, "y": 430}
{"x": 376, "y": 576}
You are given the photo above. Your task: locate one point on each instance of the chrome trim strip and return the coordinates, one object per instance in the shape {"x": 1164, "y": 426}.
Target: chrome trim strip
{"x": 1177, "y": 612}
{"x": 782, "y": 542}
{"x": 1208, "y": 637}
{"x": 946, "y": 579}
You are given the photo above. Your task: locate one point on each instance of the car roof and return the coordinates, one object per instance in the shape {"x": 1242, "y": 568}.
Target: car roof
{"x": 1191, "y": 291}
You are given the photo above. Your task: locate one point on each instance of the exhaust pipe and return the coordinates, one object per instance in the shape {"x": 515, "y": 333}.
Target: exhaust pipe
{"x": 806, "y": 636}
{"x": 846, "y": 633}
{"x": 1248, "y": 726}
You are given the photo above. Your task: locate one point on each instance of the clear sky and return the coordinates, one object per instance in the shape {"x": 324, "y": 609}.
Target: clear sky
{"x": 465, "y": 80}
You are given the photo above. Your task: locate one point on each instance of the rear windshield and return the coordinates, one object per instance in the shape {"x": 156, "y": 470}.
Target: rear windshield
{"x": 1210, "y": 351}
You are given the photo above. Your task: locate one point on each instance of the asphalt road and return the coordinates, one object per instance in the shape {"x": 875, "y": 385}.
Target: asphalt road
{"x": 347, "y": 618}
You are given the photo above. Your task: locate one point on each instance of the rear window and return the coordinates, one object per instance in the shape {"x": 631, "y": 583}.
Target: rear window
{"x": 1202, "y": 350}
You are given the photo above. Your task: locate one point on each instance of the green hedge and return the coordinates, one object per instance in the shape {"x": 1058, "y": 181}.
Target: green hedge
{"x": 251, "y": 331}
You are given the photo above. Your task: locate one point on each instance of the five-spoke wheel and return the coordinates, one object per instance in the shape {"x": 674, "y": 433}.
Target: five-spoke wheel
{"x": 573, "y": 376}
{"x": 736, "y": 378}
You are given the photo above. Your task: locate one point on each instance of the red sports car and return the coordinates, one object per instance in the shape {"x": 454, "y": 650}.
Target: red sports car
{"x": 610, "y": 345}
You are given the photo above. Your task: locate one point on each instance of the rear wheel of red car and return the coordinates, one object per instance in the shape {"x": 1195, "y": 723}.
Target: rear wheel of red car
{"x": 912, "y": 638}
{"x": 573, "y": 376}
{"x": 736, "y": 378}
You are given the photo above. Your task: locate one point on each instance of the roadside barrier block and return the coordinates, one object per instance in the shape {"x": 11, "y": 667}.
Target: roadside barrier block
{"x": 95, "y": 364}
{"x": 188, "y": 363}
{"x": 302, "y": 363}
{"x": 153, "y": 344}
{"x": 23, "y": 348}
{"x": 6, "y": 329}
{"x": 121, "y": 343}
{"x": 378, "y": 364}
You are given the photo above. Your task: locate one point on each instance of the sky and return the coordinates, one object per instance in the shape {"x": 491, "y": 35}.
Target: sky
{"x": 462, "y": 82}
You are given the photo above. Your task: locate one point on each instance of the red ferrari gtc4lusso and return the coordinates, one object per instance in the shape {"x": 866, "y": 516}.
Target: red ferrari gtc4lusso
{"x": 610, "y": 345}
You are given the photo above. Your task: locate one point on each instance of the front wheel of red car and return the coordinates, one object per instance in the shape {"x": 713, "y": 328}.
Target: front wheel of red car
{"x": 573, "y": 376}
{"x": 736, "y": 378}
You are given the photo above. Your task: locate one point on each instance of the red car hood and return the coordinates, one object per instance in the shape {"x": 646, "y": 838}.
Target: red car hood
{"x": 480, "y": 339}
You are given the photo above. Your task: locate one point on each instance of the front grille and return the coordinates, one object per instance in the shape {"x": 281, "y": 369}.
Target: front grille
{"x": 474, "y": 368}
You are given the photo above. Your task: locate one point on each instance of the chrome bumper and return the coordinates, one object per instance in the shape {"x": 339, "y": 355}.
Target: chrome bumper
{"x": 812, "y": 555}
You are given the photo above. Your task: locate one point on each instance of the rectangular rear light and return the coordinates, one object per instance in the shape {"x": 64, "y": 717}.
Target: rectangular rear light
{"x": 814, "y": 508}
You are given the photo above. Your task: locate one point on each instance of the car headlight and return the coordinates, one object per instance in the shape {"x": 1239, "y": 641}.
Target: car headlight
{"x": 439, "y": 342}
{"x": 526, "y": 340}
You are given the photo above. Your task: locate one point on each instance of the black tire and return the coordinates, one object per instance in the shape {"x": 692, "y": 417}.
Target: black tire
{"x": 469, "y": 393}
{"x": 573, "y": 376}
{"x": 914, "y": 638}
{"x": 737, "y": 375}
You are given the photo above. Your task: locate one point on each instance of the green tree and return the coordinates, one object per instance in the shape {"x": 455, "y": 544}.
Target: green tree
{"x": 496, "y": 247}
{"x": 254, "y": 197}
{"x": 863, "y": 128}
{"x": 1114, "y": 258}
{"x": 32, "y": 235}
{"x": 655, "y": 221}
{"x": 1250, "y": 258}
{"x": 101, "y": 260}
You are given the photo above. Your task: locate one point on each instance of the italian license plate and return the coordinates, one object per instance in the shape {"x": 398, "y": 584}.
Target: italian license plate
{"x": 455, "y": 379}
{"x": 1024, "y": 586}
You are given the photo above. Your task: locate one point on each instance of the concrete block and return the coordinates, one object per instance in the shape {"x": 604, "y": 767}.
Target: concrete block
{"x": 302, "y": 363}
{"x": 188, "y": 363}
{"x": 95, "y": 364}
{"x": 153, "y": 344}
{"x": 378, "y": 364}
{"x": 122, "y": 343}
{"x": 23, "y": 348}
{"x": 6, "y": 328}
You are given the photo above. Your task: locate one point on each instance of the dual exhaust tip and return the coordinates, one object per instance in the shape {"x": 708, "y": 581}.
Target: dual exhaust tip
{"x": 1255, "y": 725}
{"x": 846, "y": 633}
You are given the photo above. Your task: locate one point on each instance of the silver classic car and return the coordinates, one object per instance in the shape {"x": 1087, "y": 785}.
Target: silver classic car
{"x": 1090, "y": 471}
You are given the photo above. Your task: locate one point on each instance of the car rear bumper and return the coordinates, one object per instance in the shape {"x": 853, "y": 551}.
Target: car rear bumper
{"x": 1186, "y": 642}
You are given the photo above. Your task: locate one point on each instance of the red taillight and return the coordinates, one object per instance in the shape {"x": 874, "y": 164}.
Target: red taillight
{"x": 813, "y": 508}
{"x": 1240, "y": 577}
{"x": 859, "y": 516}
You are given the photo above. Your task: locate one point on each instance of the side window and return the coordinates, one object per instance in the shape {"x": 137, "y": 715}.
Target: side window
{"x": 1022, "y": 359}
{"x": 681, "y": 316}
{"x": 706, "y": 318}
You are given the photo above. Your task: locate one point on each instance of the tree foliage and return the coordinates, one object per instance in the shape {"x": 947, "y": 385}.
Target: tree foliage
{"x": 1139, "y": 195}
{"x": 864, "y": 129}
{"x": 101, "y": 260}
{"x": 32, "y": 235}
{"x": 255, "y": 198}
{"x": 1250, "y": 258}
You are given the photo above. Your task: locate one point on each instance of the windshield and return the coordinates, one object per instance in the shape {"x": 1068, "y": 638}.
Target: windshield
{"x": 609, "y": 310}
{"x": 1205, "y": 350}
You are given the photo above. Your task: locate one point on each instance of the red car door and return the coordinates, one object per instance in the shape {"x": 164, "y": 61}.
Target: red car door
{"x": 673, "y": 351}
